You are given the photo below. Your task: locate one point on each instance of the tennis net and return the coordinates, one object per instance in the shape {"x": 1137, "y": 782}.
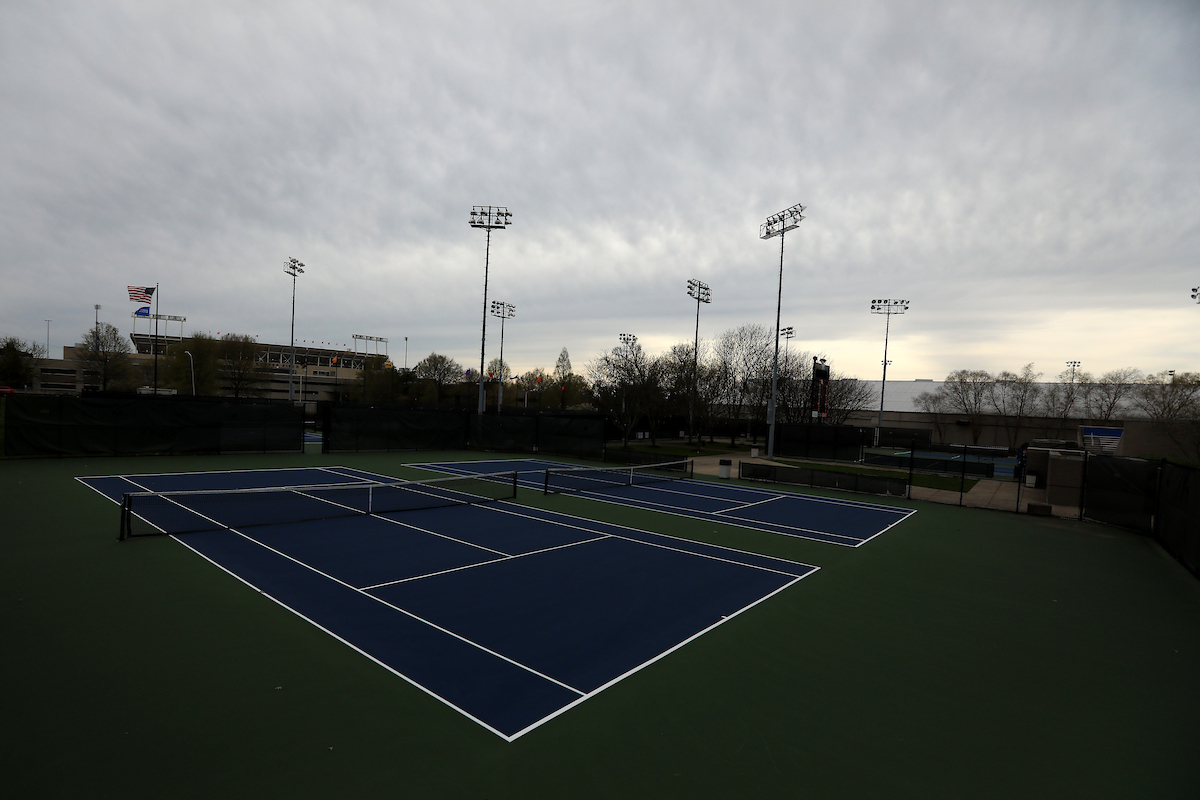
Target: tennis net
{"x": 582, "y": 479}
{"x": 211, "y": 510}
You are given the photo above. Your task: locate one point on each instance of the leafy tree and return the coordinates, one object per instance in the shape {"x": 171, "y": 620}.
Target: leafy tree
{"x": 205, "y": 360}
{"x": 106, "y": 355}
{"x": 571, "y": 388}
{"x": 244, "y": 374}
{"x": 17, "y": 359}
{"x": 441, "y": 370}
{"x": 534, "y": 383}
{"x": 562, "y": 367}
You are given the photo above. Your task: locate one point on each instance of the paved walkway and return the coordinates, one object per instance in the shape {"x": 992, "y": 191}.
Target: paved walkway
{"x": 997, "y": 495}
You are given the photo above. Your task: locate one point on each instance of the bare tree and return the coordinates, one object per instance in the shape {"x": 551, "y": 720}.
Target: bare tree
{"x": 744, "y": 357}
{"x": 498, "y": 370}
{"x": 1064, "y": 399}
{"x": 1173, "y": 401}
{"x": 846, "y": 396}
{"x": 624, "y": 382}
{"x": 1014, "y": 397}
{"x": 1105, "y": 398}
{"x": 966, "y": 392}
{"x": 937, "y": 405}
{"x": 107, "y": 356}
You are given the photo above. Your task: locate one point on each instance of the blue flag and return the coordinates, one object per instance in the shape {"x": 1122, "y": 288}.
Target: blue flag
{"x": 144, "y": 311}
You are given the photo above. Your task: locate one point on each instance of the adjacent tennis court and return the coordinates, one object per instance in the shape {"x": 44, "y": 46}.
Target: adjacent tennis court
{"x": 667, "y": 489}
{"x": 507, "y": 613}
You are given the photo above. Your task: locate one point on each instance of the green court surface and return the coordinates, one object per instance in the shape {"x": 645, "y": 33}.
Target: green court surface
{"x": 963, "y": 654}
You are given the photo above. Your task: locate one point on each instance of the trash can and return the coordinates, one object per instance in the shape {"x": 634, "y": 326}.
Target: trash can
{"x": 754, "y": 452}
{"x": 723, "y": 468}
{"x": 1031, "y": 480}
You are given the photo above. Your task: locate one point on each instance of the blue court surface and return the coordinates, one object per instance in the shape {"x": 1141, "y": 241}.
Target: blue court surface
{"x": 844, "y": 522}
{"x": 509, "y": 614}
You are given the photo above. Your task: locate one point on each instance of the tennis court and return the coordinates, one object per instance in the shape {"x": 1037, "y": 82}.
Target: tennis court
{"x": 509, "y": 614}
{"x": 667, "y": 489}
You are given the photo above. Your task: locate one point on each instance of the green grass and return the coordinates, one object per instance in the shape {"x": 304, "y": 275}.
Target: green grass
{"x": 964, "y": 653}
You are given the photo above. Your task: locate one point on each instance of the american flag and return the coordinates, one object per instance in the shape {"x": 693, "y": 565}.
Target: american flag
{"x": 140, "y": 294}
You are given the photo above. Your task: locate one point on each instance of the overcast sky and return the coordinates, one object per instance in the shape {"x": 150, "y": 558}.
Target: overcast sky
{"x": 1027, "y": 175}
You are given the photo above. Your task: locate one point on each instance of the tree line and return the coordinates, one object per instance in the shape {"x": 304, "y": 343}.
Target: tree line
{"x": 1168, "y": 398}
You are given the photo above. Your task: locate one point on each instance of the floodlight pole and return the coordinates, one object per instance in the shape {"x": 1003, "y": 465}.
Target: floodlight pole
{"x": 703, "y": 294}
{"x": 887, "y": 307}
{"x": 778, "y": 225}
{"x": 503, "y": 311}
{"x": 293, "y": 268}
{"x": 489, "y": 218}
{"x": 48, "y": 337}
{"x": 629, "y": 340}
{"x": 192, "y": 361}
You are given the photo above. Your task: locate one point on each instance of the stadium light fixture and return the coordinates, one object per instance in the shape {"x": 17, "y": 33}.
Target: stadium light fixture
{"x": 1074, "y": 365}
{"x": 702, "y": 294}
{"x": 778, "y": 225}
{"x": 503, "y": 311}
{"x": 1196, "y": 293}
{"x": 888, "y": 307}
{"x": 293, "y": 268}
{"x": 489, "y": 218}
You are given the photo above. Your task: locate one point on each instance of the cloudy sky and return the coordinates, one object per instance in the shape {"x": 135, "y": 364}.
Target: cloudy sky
{"x": 1026, "y": 174}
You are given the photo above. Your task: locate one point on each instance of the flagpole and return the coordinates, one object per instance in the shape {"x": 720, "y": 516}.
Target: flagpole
{"x": 156, "y": 340}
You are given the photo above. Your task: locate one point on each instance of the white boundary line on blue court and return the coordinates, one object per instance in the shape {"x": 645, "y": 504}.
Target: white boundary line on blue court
{"x": 583, "y": 695}
{"x": 779, "y": 529}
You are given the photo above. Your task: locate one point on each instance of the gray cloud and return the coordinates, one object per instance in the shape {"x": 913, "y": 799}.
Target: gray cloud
{"x": 1025, "y": 174}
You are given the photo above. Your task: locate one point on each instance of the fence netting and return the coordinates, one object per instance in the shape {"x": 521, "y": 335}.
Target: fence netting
{"x": 38, "y": 425}
{"x": 1121, "y": 491}
{"x": 396, "y": 427}
{"x": 1177, "y": 525}
{"x": 826, "y": 479}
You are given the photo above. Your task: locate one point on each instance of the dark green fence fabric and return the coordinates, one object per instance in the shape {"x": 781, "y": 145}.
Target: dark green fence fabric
{"x": 1177, "y": 523}
{"x": 1121, "y": 491}
{"x": 37, "y": 425}
{"x": 805, "y": 476}
{"x": 397, "y": 427}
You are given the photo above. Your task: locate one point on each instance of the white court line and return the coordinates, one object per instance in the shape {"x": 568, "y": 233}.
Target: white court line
{"x": 748, "y": 505}
{"x": 512, "y": 557}
{"x": 657, "y": 658}
{"x": 689, "y": 513}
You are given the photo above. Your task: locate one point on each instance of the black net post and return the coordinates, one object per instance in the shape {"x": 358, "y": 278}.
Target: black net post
{"x": 962, "y": 481}
{"x": 912, "y": 463}
{"x": 123, "y": 531}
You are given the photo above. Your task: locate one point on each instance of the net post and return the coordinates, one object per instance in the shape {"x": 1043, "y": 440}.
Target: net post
{"x": 514, "y": 485}
{"x": 546, "y": 485}
{"x": 123, "y": 529}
